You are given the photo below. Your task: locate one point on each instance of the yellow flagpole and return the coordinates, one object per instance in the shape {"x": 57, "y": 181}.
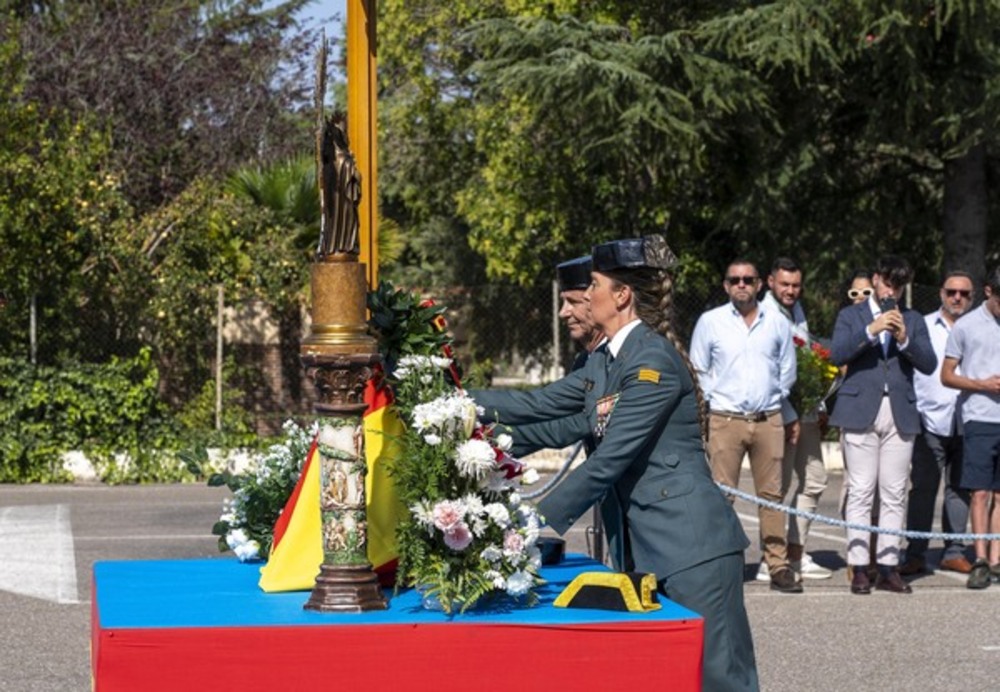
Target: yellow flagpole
{"x": 362, "y": 123}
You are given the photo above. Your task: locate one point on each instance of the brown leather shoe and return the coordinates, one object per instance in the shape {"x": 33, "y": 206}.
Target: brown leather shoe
{"x": 915, "y": 565}
{"x": 957, "y": 564}
{"x": 860, "y": 584}
{"x": 784, "y": 581}
{"x": 892, "y": 582}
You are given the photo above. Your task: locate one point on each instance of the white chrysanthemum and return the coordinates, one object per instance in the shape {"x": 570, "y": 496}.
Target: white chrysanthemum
{"x": 475, "y": 458}
{"x": 247, "y": 551}
{"x": 534, "y": 558}
{"x": 473, "y": 504}
{"x": 519, "y": 583}
{"x": 432, "y": 439}
{"x": 422, "y": 513}
{"x": 527, "y": 517}
{"x": 479, "y": 525}
{"x": 420, "y": 366}
{"x": 263, "y": 472}
{"x": 447, "y": 416}
{"x": 491, "y": 553}
{"x": 498, "y": 581}
{"x": 235, "y": 538}
{"x": 498, "y": 514}
{"x": 426, "y": 416}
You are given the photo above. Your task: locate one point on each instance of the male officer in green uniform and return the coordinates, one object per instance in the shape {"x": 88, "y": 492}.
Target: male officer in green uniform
{"x": 663, "y": 513}
{"x": 574, "y": 278}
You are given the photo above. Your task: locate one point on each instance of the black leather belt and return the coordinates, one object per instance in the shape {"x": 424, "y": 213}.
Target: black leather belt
{"x": 758, "y": 417}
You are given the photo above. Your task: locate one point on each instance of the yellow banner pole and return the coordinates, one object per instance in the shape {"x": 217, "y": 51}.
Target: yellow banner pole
{"x": 362, "y": 122}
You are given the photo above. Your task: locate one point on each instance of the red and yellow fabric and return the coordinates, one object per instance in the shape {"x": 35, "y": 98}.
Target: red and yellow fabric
{"x": 297, "y": 552}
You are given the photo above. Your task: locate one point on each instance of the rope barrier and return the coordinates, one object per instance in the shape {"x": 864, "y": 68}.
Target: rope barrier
{"x": 965, "y": 537}
{"x": 823, "y": 519}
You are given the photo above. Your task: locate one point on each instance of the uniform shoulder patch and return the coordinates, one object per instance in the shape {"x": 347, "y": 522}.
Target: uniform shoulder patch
{"x": 647, "y": 375}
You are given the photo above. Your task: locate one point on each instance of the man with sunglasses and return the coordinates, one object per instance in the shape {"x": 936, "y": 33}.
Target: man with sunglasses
{"x": 882, "y": 346}
{"x": 938, "y": 449}
{"x": 974, "y": 346}
{"x": 803, "y": 477}
{"x": 745, "y": 359}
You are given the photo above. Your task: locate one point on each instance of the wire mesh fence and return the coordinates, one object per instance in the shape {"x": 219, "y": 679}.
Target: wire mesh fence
{"x": 507, "y": 335}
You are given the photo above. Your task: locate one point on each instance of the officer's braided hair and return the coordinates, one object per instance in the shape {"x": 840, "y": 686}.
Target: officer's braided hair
{"x": 653, "y": 291}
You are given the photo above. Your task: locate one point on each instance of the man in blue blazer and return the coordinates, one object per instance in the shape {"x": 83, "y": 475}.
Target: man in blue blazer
{"x": 881, "y": 345}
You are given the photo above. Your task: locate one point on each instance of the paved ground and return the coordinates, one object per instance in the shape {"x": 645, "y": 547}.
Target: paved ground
{"x": 942, "y": 637}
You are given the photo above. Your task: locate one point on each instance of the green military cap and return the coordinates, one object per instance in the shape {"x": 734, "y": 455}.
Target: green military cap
{"x": 574, "y": 275}
{"x": 632, "y": 253}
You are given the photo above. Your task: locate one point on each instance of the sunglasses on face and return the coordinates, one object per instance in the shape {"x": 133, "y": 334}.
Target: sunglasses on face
{"x": 952, "y": 292}
{"x": 737, "y": 280}
{"x": 856, "y": 293}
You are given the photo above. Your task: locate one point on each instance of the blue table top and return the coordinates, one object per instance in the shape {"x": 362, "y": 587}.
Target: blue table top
{"x": 223, "y": 592}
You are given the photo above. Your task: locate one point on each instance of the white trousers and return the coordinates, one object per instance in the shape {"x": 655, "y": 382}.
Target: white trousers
{"x": 803, "y": 479}
{"x": 877, "y": 457}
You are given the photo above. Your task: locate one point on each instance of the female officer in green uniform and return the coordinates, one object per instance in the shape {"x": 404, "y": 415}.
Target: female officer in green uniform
{"x": 662, "y": 512}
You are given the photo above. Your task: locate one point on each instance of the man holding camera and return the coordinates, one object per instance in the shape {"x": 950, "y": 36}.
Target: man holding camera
{"x": 881, "y": 345}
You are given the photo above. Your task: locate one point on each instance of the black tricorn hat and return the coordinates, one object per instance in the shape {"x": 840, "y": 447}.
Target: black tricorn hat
{"x": 632, "y": 591}
{"x": 632, "y": 253}
{"x": 574, "y": 275}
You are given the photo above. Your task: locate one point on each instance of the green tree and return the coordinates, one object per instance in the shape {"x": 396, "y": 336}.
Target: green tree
{"x": 831, "y": 132}
{"x": 895, "y": 105}
{"x": 206, "y": 238}
{"x": 61, "y": 207}
{"x": 184, "y": 87}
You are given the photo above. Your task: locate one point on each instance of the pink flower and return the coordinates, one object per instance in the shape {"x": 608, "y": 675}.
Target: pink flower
{"x": 447, "y": 514}
{"x": 513, "y": 543}
{"x": 458, "y": 537}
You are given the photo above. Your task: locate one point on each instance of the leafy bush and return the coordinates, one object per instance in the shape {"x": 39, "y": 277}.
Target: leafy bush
{"x": 111, "y": 412}
{"x": 246, "y": 525}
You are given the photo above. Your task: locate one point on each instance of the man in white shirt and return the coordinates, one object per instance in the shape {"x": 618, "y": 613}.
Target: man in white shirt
{"x": 745, "y": 359}
{"x": 974, "y": 345}
{"x": 938, "y": 449}
{"x": 803, "y": 477}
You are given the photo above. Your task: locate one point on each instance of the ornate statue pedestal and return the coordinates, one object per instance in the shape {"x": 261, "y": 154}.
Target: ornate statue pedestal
{"x": 342, "y": 589}
{"x": 340, "y": 357}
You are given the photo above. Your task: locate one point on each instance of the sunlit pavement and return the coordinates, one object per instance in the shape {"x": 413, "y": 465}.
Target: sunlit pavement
{"x": 943, "y": 636}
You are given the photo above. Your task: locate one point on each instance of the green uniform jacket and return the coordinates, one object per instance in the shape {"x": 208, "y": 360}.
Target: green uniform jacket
{"x": 556, "y": 432}
{"x": 661, "y": 509}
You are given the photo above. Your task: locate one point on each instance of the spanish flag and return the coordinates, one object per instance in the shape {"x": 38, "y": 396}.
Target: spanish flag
{"x": 297, "y": 551}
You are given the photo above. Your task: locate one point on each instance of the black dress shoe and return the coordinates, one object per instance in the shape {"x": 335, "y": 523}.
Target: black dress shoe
{"x": 913, "y": 565}
{"x": 892, "y": 582}
{"x": 784, "y": 581}
{"x": 860, "y": 583}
